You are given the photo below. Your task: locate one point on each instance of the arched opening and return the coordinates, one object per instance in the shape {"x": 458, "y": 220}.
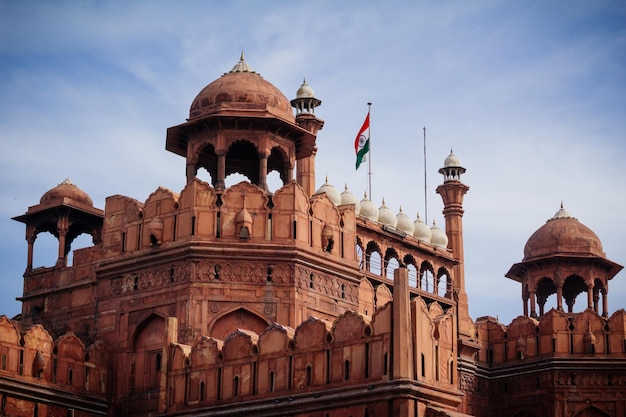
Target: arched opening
{"x": 273, "y": 181}
{"x": 573, "y": 286}
{"x": 373, "y": 258}
{"x": 427, "y": 277}
{"x": 413, "y": 275}
{"x": 147, "y": 347}
{"x": 411, "y": 265}
{"x": 277, "y": 164}
{"x": 545, "y": 288}
{"x": 391, "y": 264}
{"x": 237, "y": 319}
{"x": 84, "y": 240}
{"x": 234, "y": 179}
{"x": 207, "y": 165}
{"x": 46, "y": 250}
{"x": 243, "y": 158}
{"x": 444, "y": 286}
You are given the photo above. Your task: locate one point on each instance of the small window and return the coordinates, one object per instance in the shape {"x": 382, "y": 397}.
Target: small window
{"x": 309, "y": 376}
{"x": 236, "y": 386}
{"x": 272, "y": 382}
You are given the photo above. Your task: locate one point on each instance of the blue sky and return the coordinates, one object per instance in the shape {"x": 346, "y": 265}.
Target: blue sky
{"x": 531, "y": 96}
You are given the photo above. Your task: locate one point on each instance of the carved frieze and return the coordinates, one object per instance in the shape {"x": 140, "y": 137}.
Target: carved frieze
{"x": 326, "y": 284}
{"x": 589, "y": 379}
{"x": 209, "y": 271}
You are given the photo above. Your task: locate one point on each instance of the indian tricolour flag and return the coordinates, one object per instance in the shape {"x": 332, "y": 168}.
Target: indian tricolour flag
{"x": 362, "y": 141}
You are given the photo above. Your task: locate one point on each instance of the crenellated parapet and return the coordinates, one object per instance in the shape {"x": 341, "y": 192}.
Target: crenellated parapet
{"x": 555, "y": 334}
{"x": 40, "y": 373}
{"x": 560, "y": 358}
{"x": 242, "y": 213}
{"x": 318, "y": 359}
{"x": 281, "y": 360}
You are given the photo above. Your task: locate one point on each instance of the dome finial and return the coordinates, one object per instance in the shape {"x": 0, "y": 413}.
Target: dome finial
{"x": 242, "y": 65}
{"x": 561, "y": 214}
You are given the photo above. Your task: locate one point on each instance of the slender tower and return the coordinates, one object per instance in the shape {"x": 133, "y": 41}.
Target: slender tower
{"x": 305, "y": 104}
{"x": 452, "y": 192}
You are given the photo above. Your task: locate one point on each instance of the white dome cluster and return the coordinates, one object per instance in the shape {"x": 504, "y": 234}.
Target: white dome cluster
{"x": 368, "y": 209}
{"x": 331, "y": 192}
{"x": 385, "y": 216}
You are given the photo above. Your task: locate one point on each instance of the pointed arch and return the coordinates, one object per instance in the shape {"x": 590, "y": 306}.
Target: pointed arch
{"x": 243, "y": 158}
{"x": 147, "y": 344}
{"x": 427, "y": 276}
{"x": 391, "y": 262}
{"x": 278, "y": 161}
{"x": 239, "y": 318}
{"x": 412, "y": 266}
{"x": 207, "y": 159}
{"x": 444, "y": 283}
{"x": 544, "y": 289}
{"x": 373, "y": 258}
{"x": 572, "y": 286}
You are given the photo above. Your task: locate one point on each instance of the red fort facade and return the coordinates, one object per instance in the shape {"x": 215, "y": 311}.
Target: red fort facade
{"x": 237, "y": 301}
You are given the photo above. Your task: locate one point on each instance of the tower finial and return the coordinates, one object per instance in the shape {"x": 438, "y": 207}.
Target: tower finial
{"x": 242, "y": 57}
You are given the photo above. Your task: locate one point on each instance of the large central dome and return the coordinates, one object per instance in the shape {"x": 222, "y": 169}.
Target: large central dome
{"x": 563, "y": 235}
{"x": 241, "y": 90}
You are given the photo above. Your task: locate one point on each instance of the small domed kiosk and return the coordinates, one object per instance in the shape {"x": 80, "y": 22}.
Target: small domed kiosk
{"x": 66, "y": 212}
{"x": 563, "y": 257}
{"x": 241, "y": 123}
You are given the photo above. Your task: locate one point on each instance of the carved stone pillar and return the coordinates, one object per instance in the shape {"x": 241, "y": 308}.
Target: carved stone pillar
{"x": 62, "y": 229}
{"x": 221, "y": 171}
{"x": 31, "y": 236}
{"x": 533, "y": 305}
{"x": 589, "y": 296}
{"x": 192, "y": 171}
{"x": 263, "y": 171}
{"x": 559, "y": 296}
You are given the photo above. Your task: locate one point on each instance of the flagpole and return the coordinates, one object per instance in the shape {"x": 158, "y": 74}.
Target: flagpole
{"x": 369, "y": 163}
{"x": 425, "y": 183}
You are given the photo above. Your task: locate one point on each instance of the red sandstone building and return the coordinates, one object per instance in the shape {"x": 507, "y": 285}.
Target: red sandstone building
{"x": 235, "y": 301}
